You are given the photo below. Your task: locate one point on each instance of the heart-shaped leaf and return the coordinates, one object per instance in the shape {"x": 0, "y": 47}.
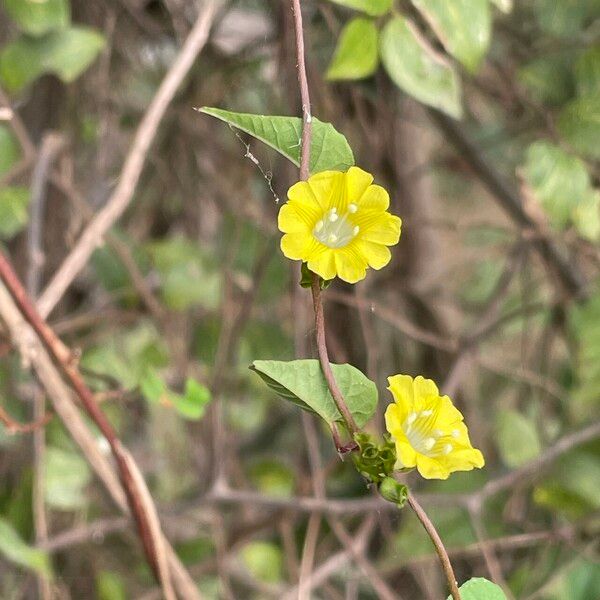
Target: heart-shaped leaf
{"x": 37, "y": 18}
{"x": 302, "y": 382}
{"x": 480, "y": 588}
{"x": 418, "y": 69}
{"x": 356, "y": 55}
{"x": 329, "y": 149}
{"x": 375, "y": 8}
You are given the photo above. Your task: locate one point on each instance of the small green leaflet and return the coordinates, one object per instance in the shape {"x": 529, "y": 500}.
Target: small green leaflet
{"x": 374, "y": 8}
{"x": 356, "y": 55}
{"x": 191, "y": 405}
{"x": 9, "y": 149}
{"x": 463, "y": 26}
{"x": 14, "y": 202}
{"x": 14, "y": 549}
{"x": 67, "y": 53}
{"x": 480, "y": 588}
{"x": 303, "y": 383}
{"x": 329, "y": 149}
{"x": 417, "y": 69}
{"x": 517, "y": 438}
{"x": 37, "y": 18}
{"x": 579, "y": 123}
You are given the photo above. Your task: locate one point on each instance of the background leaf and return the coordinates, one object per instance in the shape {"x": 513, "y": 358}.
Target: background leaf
{"x": 66, "y": 476}
{"x": 375, "y": 8}
{"x": 518, "y": 439}
{"x": 14, "y": 202}
{"x": 560, "y": 182}
{"x": 479, "y": 588}
{"x": 9, "y": 149}
{"x": 463, "y": 26}
{"x": 587, "y": 72}
{"x": 329, "y": 150}
{"x": 67, "y": 53}
{"x": 37, "y": 17}
{"x": 417, "y": 69}
{"x": 13, "y": 548}
{"x": 579, "y": 122}
{"x": 302, "y": 382}
{"x": 356, "y": 55}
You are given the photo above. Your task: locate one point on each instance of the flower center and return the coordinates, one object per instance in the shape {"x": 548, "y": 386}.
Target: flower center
{"x": 418, "y": 428}
{"x": 336, "y": 231}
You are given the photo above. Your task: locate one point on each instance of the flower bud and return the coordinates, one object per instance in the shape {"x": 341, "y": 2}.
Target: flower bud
{"x": 393, "y": 491}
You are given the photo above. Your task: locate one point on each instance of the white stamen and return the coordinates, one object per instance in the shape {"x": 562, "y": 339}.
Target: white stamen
{"x": 426, "y": 413}
{"x": 411, "y": 418}
{"x": 333, "y": 217}
{"x": 455, "y": 433}
{"x": 429, "y": 443}
{"x": 356, "y": 230}
{"x": 352, "y": 208}
{"x": 332, "y": 238}
{"x": 319, "y": 226}
{"x": 447, "y": 448}
{"x": 437, "y": 433}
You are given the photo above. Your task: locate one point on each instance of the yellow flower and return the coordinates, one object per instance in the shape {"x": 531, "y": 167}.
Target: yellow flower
{"x": 428, "y": 430}
{"x": 338, "y": 223}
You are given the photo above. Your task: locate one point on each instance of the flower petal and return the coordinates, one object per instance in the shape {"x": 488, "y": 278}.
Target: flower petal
{"x": 374, "y": 198}
{"x": 289, "y": 220}
{"x": 402, "y": 389}
{"x": 377, "y": 255}
{"x": 323, "y": 263}
{"x": 430, "y": 468}
{"x": 295, "y": 246}
{"x": 328, "y": 189}
{"x": 350, "y": 265}
{"x": 406, "y": 457}
{"x": 357, "y": 183}
{"x": 383, "y": 228}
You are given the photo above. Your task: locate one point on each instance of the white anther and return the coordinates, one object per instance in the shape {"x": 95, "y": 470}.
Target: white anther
{"x": 319, "y": 226}
{"x": 429, "y": 443}
{"x": 455, "y": 433}
{"x": 437, "y": 433}
{"x": 447, "y": 448}
{"x": 356, "y": 230}
{"x": 332, "y": 238}
{"x": 352, "y": 208}
{"x": 333, "y": 217}
{"x": 426, "y": 413}
{"x": 411, "y": 418}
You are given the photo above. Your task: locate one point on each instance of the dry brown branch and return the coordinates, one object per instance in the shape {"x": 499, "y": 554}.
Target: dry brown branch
{"x": 94, "y": 233}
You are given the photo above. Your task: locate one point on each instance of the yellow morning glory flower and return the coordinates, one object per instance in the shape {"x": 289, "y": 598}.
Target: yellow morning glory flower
{"x": 338, "y": 223}
{"x": 428, "y": 430}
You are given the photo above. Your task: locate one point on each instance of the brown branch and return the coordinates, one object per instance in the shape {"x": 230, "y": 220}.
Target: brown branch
{"x": 13, "y": 426}
{"x": 63, "y": 358}
{"x": 134, "y": 163}
{"x": 568, "y": 273}
{"x": 304, "y": 174}
{"x": 438, "y": 544}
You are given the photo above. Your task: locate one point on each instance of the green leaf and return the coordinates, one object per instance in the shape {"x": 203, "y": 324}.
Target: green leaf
{"x": 584, "y": 322}
{"x": 14, "y": 216}
{"x": 66, "y": 476}
{"x": 303, "y": 383}
{"x": 37, "y": 17}
{"x": 587, "y": 73}
{"x": 356, "y": 55}
{"x": 264, "y": 561}
{"x": 14, "y": 549}
{"x": 187, "y": 277}
{"x": 549, "y": 79}
{"x": 517, "y": 438}
{"x": 329, "y": 149}
{"x": 9, "y": 150}
{"x": 480, "y": 588}
{"x": 586, "y": 217}
{"x": 559, "y": 181}
{"x": 375, "y": 8}
{"x": 67, "y": 53}
{"x": 417, "y": 69}
{"x": 565, "y": 18}
{"x": 579, "y": 122}
{"x": 273, "y": 478}
{"x": 192, "y": 404}
{"x": 110, "y": 586}
{"x": 463, "y": 26}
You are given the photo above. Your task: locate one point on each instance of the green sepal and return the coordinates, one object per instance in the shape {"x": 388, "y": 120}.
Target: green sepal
{"x": 393, "y": 491}
{"x": 374, "y": 461}
{"x": 306, "y": 278}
